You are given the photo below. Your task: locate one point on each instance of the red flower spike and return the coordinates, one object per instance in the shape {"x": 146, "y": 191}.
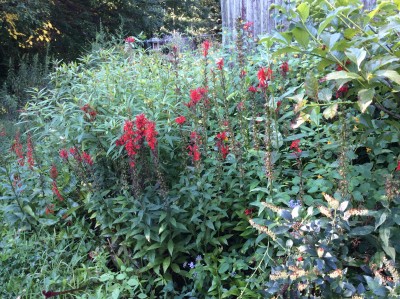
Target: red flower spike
{"x": 64, "y": 154}
{"x": 263, "y": 76}
{"x": 398, "y": 166}
{"x": 220, "y": 64}
{"x": 17, "y": 148}
{"x": 222, "y": 147}
{"x": 247, "y": 26}
{"x": 253, "y": 89}
{"x": 300, "y": 259}
{"x": 130, "y": 39}
{"x": 342, "y": 91}
{"x": 206, "y": 46}
{"x": 180, "y": 120}
{"x": 49, "y": 209}
{"x": 53, "y": 172}
{"x": 295, "y": 146}
{"x": 248, "y": 212}
{"x": 56, "y": 191}
{"x": 87, "y": 158}
{"x": 284, "y": 68}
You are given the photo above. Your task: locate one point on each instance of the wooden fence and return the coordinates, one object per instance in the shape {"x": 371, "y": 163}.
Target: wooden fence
{"x": 258, "y": 12}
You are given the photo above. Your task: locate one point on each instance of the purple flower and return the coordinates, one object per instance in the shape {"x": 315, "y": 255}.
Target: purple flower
{"x": 198, "y": 258}
{"x": 184, "y": 264}
{"x": 191, "y": 265}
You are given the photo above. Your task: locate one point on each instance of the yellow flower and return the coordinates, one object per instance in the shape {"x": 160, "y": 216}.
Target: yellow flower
{"x": 329, "y": 142}
{"x": 368, "y": 150}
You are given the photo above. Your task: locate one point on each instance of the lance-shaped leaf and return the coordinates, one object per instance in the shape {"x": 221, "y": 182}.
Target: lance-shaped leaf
{"x": 304, "y": 11}
{"x": 356, "y": 55}
{"x": 365, "y": 98}
{"x": 390, "y": 74}
{"x": 331, "y": 111}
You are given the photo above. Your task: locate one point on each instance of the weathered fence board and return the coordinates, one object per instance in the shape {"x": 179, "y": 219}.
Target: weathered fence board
{"x": 257, "y": 11}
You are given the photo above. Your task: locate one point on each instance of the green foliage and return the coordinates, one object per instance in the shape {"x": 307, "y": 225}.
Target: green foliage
{"x": 271, "y": 183}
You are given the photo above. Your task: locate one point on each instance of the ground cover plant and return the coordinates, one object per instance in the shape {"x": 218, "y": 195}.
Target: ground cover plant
{"x": 242, "y": 171}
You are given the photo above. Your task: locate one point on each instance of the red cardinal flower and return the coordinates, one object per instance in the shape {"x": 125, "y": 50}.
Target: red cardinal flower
{"x": 342, "y": 91}
{"x": 53, "y": 172}
{"x": 223, "y": 148}
{"x": 87, "y": 158}
{"x": 180, "y": 120}
{"x": 284, "y": 68}
{"x": 130, "y": 39}
{"x": 252, "y": 89}
{"x": 64, "y": 154}
{"x": 206, "y": 47}
{"x": 295, "y": 146}
{"x": 220, "y": 64}
{"x": 398, "y": 166}
{"x": 263, "y": 76}
{"x": 247, "y": 25}
{"x": 195, "y": 96}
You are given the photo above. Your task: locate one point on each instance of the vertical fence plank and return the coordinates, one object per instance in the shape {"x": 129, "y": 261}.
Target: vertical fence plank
{"x": 257, "y": 11}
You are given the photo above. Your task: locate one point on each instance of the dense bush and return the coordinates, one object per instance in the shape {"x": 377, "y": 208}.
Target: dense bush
{"x": 211, "y": 174}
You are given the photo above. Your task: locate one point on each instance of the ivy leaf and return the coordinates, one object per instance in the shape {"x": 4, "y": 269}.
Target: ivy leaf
{"x": 390, "y": 74}
{"x": 331, "y": 111}
{"x": 356, "y": 55}
{"x": 304, "y": 11}
{"x": 365, "y": 98}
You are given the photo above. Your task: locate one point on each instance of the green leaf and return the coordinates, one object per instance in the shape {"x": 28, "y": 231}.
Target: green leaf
{"x": 311, "y": 86}
{"x": 170, "y": 246}
{"x": 330, "y": 111}
{"x": 362, "y": 230}
{"x": 325, "y": 95}
{"x": 147, "y": 233}
{"x": 384, "y": 234}
{"x": 27, "y": 209}
{"x": 356, "y": 55}
{"x": 224, "y": 267}
{"x": 365, "y": 98}
{"x": 301, "y": 36}
{"x": 142, "y": 296}
{"x": 304, "y": 11}
{"x": 175, "y": 268}
{"x": 325, "y": 23}
{"x": 121, "y": 276}
{"x": 376, "y": 287}
{"x": 166, "y": 263}
{"x": 115, "y": 293}
{"x": 344, "y": 76}
{"x": 390, "y": 251}
{"x": 381, "y": 220}
{"x": 133, "y": 282}
{"x": 390, "y": 74}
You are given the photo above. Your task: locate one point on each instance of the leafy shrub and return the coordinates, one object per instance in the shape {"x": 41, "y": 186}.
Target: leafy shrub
{"x": 212, "y": 173}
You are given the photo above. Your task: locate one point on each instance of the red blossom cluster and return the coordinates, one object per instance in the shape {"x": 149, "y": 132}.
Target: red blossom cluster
{"x": 243, "y": 74}
{"x": 89, "y": 112}
{"x": 222, "y": 138}
{"x": 73, "y": 151}
{"x": 264, "y": 75}
{"x": 253, "y": 89}
{"x": 130, "y": 39}
{"x": 342, "y": 91}
{"x": 193, "y": 148}
{"x": 206, "y": 46}
{"x": 284, "y": 68}
{"x": 220, "y": 64}
{"x": 135, "y": 133}
{"x": 195, "y": 96}
{"x": 398, "y": 166}
{"x": 340, "y": 68}
{"x": 49, "y": 209}
{"x": 180, "y": 120}
{"x": 295, "y": 146}
{"x": 248, "y": 212}
{"x": 247, "y": 26}
{"x": 53, "y": 172}
{"x": 17, "y": 148}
